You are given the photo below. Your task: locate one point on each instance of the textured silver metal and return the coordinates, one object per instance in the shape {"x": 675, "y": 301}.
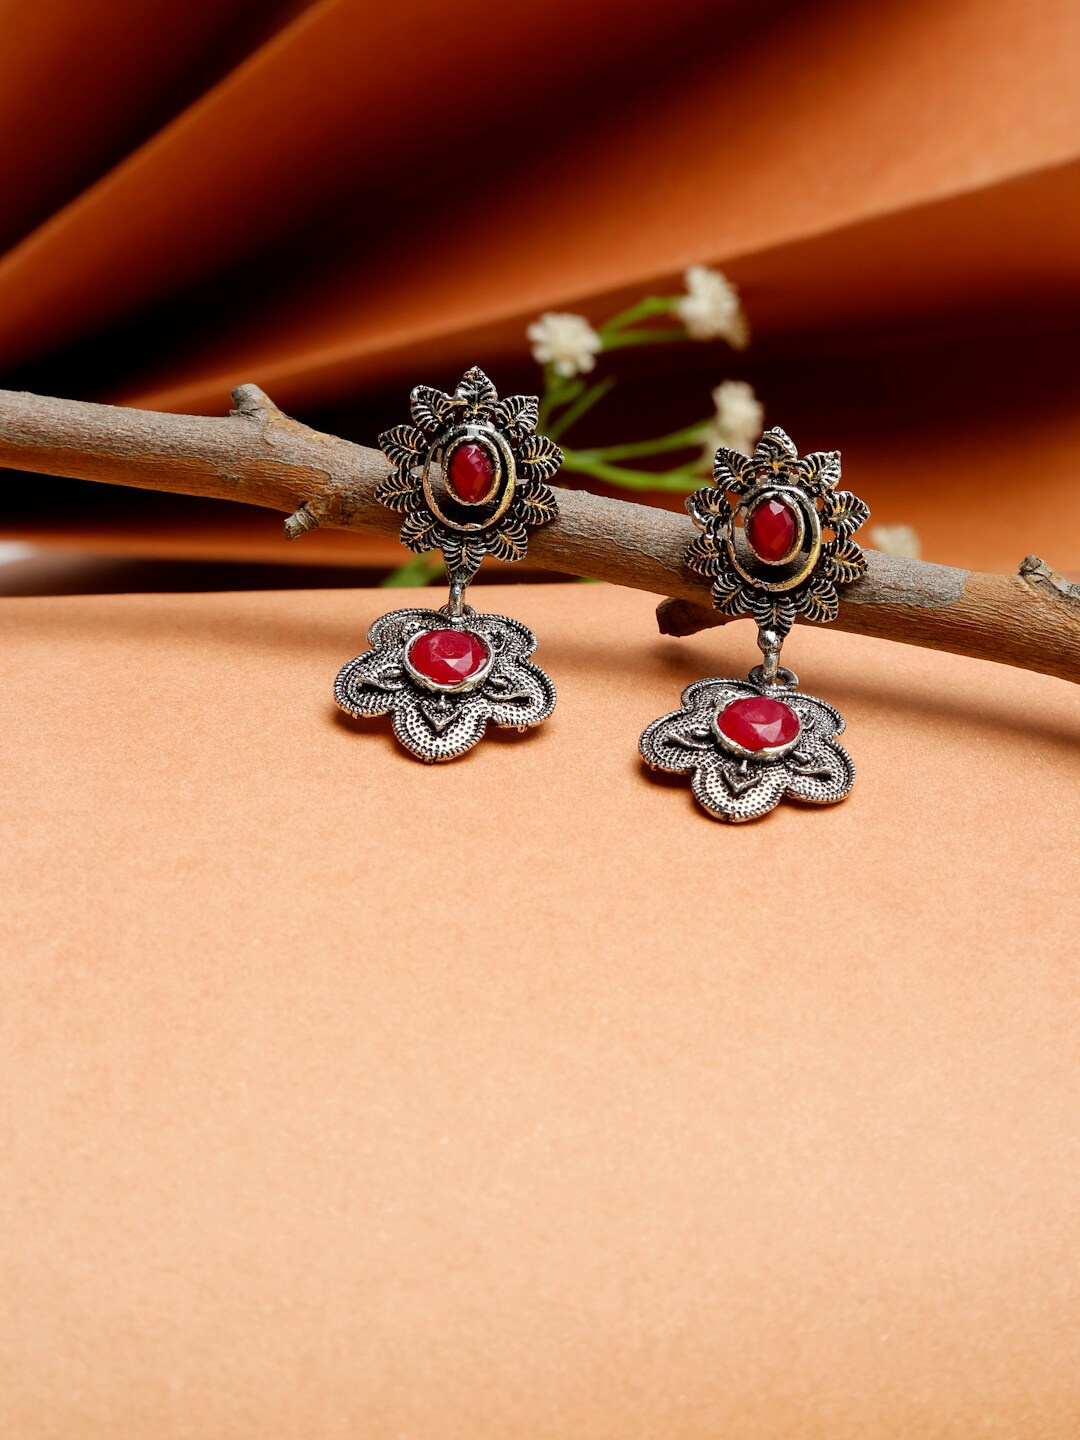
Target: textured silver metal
{"x": 805, "y": 582}
{"x": 436, "y": 725}
{"x": 731, "y": 783}
{"x": 519, "y": 498}
{"x": 737, "y": 788}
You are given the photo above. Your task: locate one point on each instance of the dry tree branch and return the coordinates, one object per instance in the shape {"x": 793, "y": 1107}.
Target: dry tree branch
{"x": 261, "y": 456}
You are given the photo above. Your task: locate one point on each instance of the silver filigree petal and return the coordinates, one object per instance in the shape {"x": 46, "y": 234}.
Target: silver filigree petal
{"x": 776, "y": 444}
{"x": 518, "y": 412}
{"x": 400, "y": 491}
{"x": 518, "y": 693}
{"x": 712, "y": 694}
{"x": 677, "y": 742}
{"x": 817, "y": 716}
{"x": 819, "y": 772}
{"x": 463, "y": 553}
{"x": 538, "y": 458}
{"x": 390, "y": 631}
{"x": 403, "y": 446}
{"x": 820, "y": 472}
{"x": 535, "y": 503}
{"x": 478, "y": 393}
{"x": 773, "y": 612}
{"x": 439, "y": 727}
{"x": 704, "y": 555}
{"x": 818, "y": 601}
{"x": 735, "y": 795}
{"x": 708, "y": 504}
{"x": 369, "y": 685}
{"x": 431, "y": 408}
{"x": 507, "y": 636}
{"x": 732, "y": 470}
{"x": 421, "y": 532}
{"x": 842, "y": 561}
{"x": 509, "y": 541}
{"x": 844, "y": 512}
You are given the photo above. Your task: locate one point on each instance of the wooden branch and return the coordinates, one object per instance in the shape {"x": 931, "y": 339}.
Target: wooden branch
{"x": 261, "y": 456}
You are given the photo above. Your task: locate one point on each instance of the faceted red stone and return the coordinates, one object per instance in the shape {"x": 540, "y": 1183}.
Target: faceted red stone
{"x": 448, "y": 656}
{"x": 758, "y": 723}
{"x": 471, "y": 473}
{"x": 771, "y": 529}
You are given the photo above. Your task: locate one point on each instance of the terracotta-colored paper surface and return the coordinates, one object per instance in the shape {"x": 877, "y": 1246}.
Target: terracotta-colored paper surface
{"x": 513, "y": 1098}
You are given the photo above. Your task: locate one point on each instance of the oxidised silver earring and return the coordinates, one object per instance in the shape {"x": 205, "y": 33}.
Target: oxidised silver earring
{"x": 469, "y": 476}
{"x": 776, "y": 544}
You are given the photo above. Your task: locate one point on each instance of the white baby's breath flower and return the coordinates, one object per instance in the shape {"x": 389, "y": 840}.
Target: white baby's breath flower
{"x": 710, "y": 309}
{"x": 739, "y": 418}
{"x": 739, "y": 415}
{"x": 567, "y": 343}
{"x": 896, "y": 540}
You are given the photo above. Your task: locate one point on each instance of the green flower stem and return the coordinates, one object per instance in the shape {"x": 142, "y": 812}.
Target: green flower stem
{"x": 623, "y": 339}
{"x": 420, "y": 570}
{"x": 558, "y": 390}
{"x": 683, "y": 478}
{"x": 643, "y": 310}
{"x": 678, "y": 440}
{"x": 585, "y": 401}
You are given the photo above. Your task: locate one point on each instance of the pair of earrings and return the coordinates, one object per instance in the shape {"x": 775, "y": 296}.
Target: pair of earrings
{"x": 470, "y": 475}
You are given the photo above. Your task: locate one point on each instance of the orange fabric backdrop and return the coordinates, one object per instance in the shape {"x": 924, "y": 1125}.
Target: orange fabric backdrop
{"x": 353, "y": 197}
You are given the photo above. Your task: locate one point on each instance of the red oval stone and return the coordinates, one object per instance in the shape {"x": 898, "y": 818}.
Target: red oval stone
{"x": 771, "y": 529}
{"x": 448, "y": 657}
{"x": 471, "y": 473}
{"x": 758, "y": 723}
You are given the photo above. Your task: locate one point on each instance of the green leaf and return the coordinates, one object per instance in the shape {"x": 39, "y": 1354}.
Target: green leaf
{"x": 420, "y": 570}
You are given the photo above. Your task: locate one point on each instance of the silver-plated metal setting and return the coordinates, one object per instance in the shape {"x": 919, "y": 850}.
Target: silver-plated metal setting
{"x": 436, "y": 725}
{"x": 798, "y": 564}
{"x": 450, "y": 508}
{"x": 460, "y": 686}
{"x": 769, "y": 752}
{"x": 774, "y": 593}
{"x": 519, "y": 498}
{"x": 736, "y": 788}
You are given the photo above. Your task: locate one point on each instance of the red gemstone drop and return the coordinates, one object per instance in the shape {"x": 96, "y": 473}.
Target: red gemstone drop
{"x": 470, "y": 474}
{"x": 448, "y": 656}
{"x": 771, "y": 530}
{"x": 758, "y": 723}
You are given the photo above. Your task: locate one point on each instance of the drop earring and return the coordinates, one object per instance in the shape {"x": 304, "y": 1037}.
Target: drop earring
{"x": 469, "y": 476}
{"x": 748, "y": 743}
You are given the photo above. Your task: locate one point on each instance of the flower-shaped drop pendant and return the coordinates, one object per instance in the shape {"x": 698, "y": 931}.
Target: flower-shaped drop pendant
{"x": 775, "y": 544}
{"x": 443, "y": 680}
{"x": 746, "y": 745}
{"x": 469, "y": 476}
